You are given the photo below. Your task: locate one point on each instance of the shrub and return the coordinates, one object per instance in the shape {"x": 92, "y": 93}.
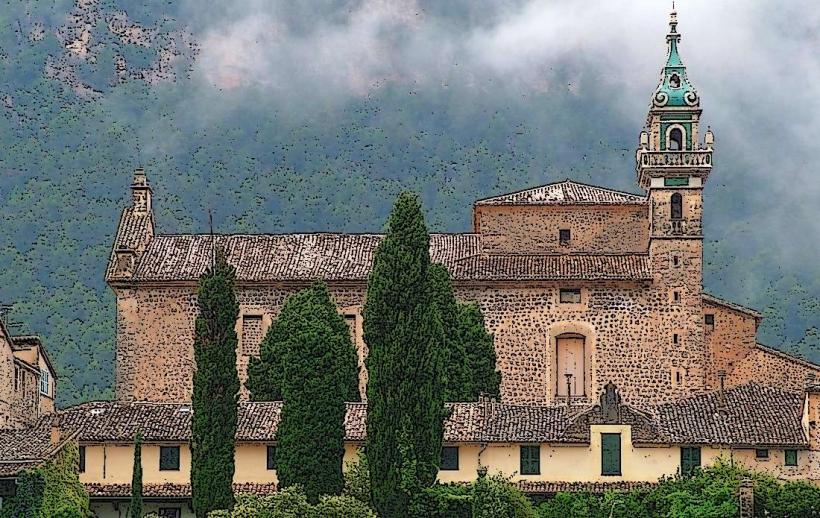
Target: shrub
{"x": 342, "y": 507}
{"x": 443, "y": 501}
{"x": 496, "y": 497}
{"x": 292, "y": 502}
{"x": 357, "y": 479}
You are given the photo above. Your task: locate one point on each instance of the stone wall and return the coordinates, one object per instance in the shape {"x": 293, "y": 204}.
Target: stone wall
{"x": 534, "y": 229}
{"x": 6, "y": 381}
{"x": 627, "y": 326}
{"x": 772, "y": 368}
{"x": 729, "y": 342}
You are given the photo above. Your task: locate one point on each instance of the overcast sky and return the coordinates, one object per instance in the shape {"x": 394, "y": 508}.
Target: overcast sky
{"x": 755, "y": 64}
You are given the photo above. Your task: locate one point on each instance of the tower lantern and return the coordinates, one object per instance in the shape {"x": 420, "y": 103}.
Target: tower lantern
{"x": 670, "y": 152}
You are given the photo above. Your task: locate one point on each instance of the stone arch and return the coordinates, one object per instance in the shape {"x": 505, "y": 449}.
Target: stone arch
{"x": 572, "y": 329}
{"x": 676, "y": 138}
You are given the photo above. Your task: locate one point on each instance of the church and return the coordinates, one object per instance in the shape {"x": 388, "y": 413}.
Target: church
{"x": 616, "y": 367}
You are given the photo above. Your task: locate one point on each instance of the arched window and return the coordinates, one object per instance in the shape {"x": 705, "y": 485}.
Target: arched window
{"x": 674, "y": 81}
{"x": 677, "y": 206}
{"x": 675, "y": 140}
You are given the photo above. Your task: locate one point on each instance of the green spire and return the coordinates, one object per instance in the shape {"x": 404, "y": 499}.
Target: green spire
{"x": 674, "y": 88}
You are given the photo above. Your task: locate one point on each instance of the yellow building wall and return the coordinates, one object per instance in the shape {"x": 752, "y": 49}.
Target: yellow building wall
{"x": 114, "y": 463}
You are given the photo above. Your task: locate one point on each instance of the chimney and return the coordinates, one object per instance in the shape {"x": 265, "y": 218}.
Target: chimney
{"x": 569, "y": 387}
{"x": 56, "y": 433}
{"x": 141, "y": 193}
{"x": 722, "y": 392}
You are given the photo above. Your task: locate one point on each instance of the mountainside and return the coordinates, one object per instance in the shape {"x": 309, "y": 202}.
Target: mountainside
{"x": 90, "y": 90}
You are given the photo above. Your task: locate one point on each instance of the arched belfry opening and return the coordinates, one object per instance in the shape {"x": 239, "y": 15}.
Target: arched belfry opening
{"x": 675, "y": 140}
{"x": 570, "y": 355}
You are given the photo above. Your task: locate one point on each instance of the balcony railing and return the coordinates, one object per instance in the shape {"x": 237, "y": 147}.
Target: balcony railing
{"x": 683, "y": 227}
{"x": 675, "y": 159}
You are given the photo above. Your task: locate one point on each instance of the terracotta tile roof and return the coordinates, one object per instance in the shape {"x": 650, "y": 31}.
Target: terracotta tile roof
{"x": 131, "y": 233}
{"x": 349, "y": 257}
{"x": 566, "y": 193}
{"x": 711, "y": 299}
{"x": 167, "y": 491}
{"x": 753, "y": 416}
{"x": 28, "y": 447}
{"x": 549, "y": 267}
{"x": 538, "y": 487}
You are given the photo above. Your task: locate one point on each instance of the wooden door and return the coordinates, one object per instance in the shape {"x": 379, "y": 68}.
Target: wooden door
{"x": 570, "y": 361}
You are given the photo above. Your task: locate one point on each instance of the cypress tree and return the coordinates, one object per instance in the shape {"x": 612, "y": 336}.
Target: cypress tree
{"x": 479, "y": 352}
{"x": 135, "y": 509}
{"x": 216, "y": 386}
{"x": 319, "y": 372}
{"x": 403, "y": 331}
{"x": 455, "y": 377}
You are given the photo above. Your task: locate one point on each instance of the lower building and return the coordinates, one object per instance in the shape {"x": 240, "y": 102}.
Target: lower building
{"x": 544, "y": 449}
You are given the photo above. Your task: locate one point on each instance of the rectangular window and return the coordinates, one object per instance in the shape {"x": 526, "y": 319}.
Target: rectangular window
{"x": 709, "y": 320}
{"x": 530, "y": 459}
{"x": 570, "y": 296}
{"x": 82, "y": 459}
{"x": 169, "y": 512}
{"x": 449, "y": 458}
{"x": 676, "y": 297}
{"x": 169, "y": 458}
{"x": 44, "y": 382}
{"x": 564, "y": 236}
{"x": 761, "y": 453}
{"x": 675, "y": 260}
{"x": 791, "y": 457}
{"x": 610, "y": 454}
{"x": 676, "y": 182}
{"x": 675, "y": 338}
{"x": 271, "y": 457}
{"x": 251, "y": 334}
{"x": 16, "y": 378}
{"x": 689, "y": 460}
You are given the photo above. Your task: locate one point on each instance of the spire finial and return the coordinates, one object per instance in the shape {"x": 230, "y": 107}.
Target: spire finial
{"x": 673, "y": 20}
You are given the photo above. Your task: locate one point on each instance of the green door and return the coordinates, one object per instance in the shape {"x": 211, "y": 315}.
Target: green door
{"x": 689, "y": 460}
{"x": 610, "y": 454}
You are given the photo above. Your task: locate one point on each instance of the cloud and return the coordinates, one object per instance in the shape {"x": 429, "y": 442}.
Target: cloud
{"x": 755, "y": 64}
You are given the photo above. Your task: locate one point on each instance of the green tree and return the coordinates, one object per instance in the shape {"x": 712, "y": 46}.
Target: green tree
{"x": 135, "y": 509}
{"x": 455, "y": 375}
{"x": 483, "y": 377}
{"x": 318, "y": 364}
{"x": 403, "y": 331}
{"x": 216, "y": 385}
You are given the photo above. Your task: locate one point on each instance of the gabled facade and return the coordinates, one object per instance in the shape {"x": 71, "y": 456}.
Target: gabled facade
{"x": 580, "y": 285}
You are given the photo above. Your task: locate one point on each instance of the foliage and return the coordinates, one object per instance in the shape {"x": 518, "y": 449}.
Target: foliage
{"x": 483, "y": 378}
{"x": 709, "y": 493}
{"x": 309, "y": 351}
{"x": 443, "y": 501}
{"x": 496, "y": 497}
{"x": 216, "y": 388}
{"x": 357, "y": 479}
{"x": 50, "y": 490}
{"x": 292, "y": 502}
{"x": 403, "y": 331}
{"x": 135, "y": 509}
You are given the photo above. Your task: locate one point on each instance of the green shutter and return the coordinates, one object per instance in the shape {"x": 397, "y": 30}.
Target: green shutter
{"x": 791, "y": 457}
{"x": 689, "y": 460}
{"x": 610, "y": 454}
{"x": 530, "y": 460}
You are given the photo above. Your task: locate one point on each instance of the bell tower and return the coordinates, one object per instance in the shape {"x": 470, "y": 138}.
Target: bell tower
{"x": 672, "y": 166}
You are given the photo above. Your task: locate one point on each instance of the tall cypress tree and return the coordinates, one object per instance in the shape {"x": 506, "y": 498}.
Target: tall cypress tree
{"x": 403, "y": 331}
{"x": 216, "y": 388}
{"x": 479, "y": 350}
{"x": 456, "y": 381}
{"x": 319, "y": 372}
{"x": 135, "y": 509}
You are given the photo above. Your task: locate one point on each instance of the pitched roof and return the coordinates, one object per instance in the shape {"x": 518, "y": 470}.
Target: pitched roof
{"x": 349, "y": 257}
{"x": 28, "y": 341}
{"x": 752, "y": 416}
{"x": 28, "y": 447}
{"x": 168, "y": 490}
{"x": 566, "y": 193}
{"x": 711, "y": 299}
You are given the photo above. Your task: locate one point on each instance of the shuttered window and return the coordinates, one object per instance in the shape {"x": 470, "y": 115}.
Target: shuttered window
{"x": 610, "y": 454}
{"x": 82, "y": 459}
{"x": 530, "y": 460}
{"x": 271, "y": 457}
{"x": 449, "y": 458}
{"x": 791, "y": 457}
{"x": 169, "y": 458}
{"x": 689, "y": 460}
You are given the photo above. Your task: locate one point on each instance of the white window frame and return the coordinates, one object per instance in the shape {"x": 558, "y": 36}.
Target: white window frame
{"x": 44, "y": 382}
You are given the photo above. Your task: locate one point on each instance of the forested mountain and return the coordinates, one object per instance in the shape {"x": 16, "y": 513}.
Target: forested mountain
{"x": 281, "y": 137}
